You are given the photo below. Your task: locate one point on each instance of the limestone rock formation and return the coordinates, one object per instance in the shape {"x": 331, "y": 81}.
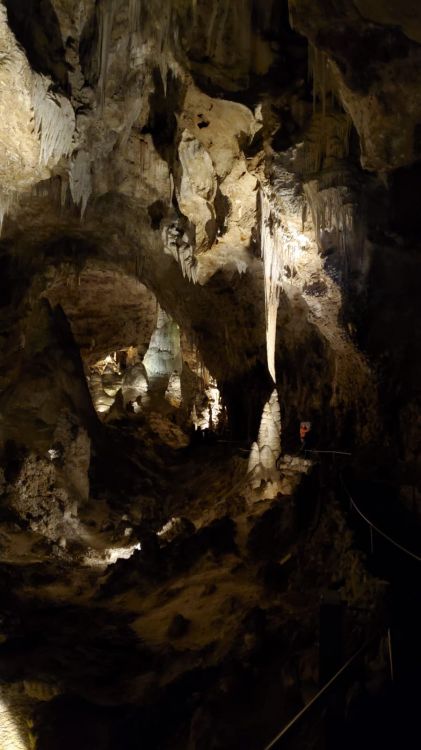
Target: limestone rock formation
{"x": 265, "y": 453}
{"x": 163, "y": 356}
{"x": 209, "y": 217}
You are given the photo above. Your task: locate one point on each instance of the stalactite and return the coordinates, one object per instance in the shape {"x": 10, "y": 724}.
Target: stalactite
{"x": 153, "y": 22}
{"x": 54, "y": 120}
{"x": 80, "y": 180}
{"x": 164, "y": 47}
{"x": 176, "y": 243}
{"x": 187, "y": 262}
{"x": 135, "y": 8}
{"x": 106, "y": 18}
{"x": 327, "y": 137}
{"x": 328, "y": 134}
{"x": 320, "y": 73}
{"x": 277, "y": 254}
{"x": 334, "y": 212}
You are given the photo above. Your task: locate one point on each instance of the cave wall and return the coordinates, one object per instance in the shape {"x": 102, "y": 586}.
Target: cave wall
{"x": 228, "y": 162}
{"x": 180, "y": 122}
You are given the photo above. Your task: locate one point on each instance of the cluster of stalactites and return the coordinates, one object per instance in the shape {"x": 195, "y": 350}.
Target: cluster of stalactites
{"x": 54, "y": 121}
{"x": 177, "y": 244}
{"x": 327, "y": 139}
{"x": 150, "y": 24}
{"x": 265, "y": 453}
{"x": 333, "y": 216}
{"x": 276, "y": 254}
{"x": 329, "y": 130}
{"x": 106, "y": 18}
{"x": 135, "y": 10}
{"x": 320, "y": 73}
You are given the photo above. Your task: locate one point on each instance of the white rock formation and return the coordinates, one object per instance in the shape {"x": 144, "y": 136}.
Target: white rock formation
{"x": 164, "y": 354}
{"x": 275, "y": 255}
{"x": 14, "y": 715}
{"x": 265, "y": 453}
{"x": 81, "y": 180}
{"x": 176, "y": 243}
{"x": 54, "y": 121}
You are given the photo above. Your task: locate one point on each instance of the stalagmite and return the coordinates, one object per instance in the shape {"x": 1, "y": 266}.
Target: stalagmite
{"x": 54, "y": 120}
{"x": 269, "y": 433}
{"x": 265, "y": 453}
{"x": 254, "y": 461}
{"x": 135, "y": 384}
{"x": 101, "y": 401}
{"x": 276, "y": 413}
{"x": 164, "y": 355}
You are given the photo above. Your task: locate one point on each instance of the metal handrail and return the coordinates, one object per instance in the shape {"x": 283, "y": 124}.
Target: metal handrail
{"x": 294, "y": 721}
{"x": 338, "y": 453}
{"x": 322, "y": 692}
{"x": 376, "y": 528}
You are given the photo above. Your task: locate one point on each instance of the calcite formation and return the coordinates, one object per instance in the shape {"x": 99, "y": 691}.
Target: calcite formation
{"x": 264, "y": 453}
{"x": 209, "y": 217}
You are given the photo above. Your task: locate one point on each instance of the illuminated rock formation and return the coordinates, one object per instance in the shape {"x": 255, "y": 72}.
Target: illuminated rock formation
{"x": 265, "y": 453}
{"x": 163, "y": 356}
{"x": 209, "y": 216}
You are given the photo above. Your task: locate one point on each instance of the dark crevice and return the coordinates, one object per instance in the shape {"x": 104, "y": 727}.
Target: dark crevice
{"x": 37, "y": 29}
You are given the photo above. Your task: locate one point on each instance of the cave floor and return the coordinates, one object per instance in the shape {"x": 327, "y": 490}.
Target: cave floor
{"x": 218, "y": 613}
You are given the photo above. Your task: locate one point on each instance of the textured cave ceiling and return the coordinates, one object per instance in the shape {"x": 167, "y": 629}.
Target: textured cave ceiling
{"x": 209, "y": 215}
